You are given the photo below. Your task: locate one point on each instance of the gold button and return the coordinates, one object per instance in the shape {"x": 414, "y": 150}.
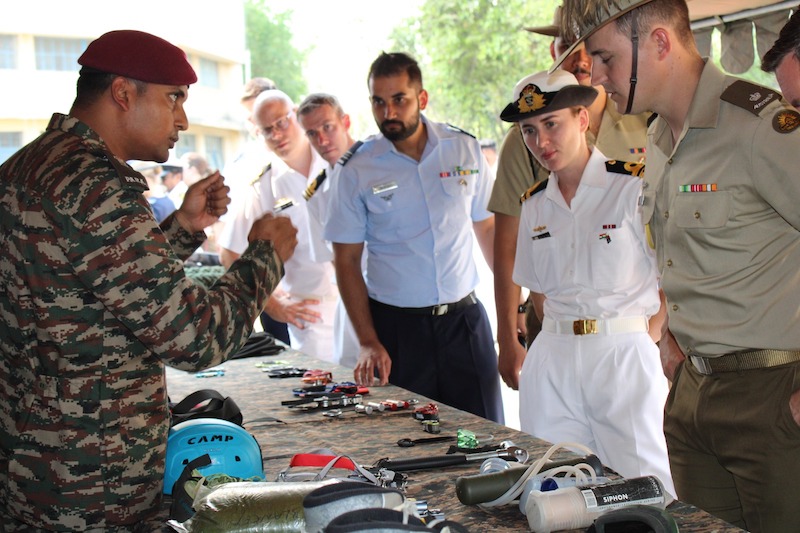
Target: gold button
{"x": 697, "y": 215}
{"x": 675, "y": 307}
{"x": 669, "y": 262}
{"x": 669, "y": 160}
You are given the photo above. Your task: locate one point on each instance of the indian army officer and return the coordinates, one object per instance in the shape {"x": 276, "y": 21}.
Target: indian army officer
{"x": 94, "y": 300}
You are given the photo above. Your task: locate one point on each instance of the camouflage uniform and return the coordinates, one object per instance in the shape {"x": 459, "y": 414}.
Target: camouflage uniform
{"x": 93, "y": 303}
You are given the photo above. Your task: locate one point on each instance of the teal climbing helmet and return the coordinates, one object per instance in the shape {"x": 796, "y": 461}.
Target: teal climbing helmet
{"x": 231, "y": 450}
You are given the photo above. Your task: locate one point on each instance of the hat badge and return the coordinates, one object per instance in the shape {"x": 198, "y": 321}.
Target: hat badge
{"x": 530, "y": 99}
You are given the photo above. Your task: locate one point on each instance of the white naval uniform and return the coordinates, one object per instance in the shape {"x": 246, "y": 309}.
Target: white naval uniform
{"x": 304, "y": 278}
{"x": 346, "y": 347}
{"x": 591, "y": 260}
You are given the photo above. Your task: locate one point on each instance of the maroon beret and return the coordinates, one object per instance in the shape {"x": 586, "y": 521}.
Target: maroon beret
{"x": 140, "y": 56}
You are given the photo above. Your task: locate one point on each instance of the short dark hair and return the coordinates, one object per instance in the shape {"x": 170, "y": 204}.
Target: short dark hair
{"x": 315, "y": 100}
{"x": 788, "y": 42}
{"x": 394, "y": 64}
{"x": 92, "y": 84}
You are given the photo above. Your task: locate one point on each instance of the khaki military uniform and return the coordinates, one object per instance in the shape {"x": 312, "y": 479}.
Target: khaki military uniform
{"x": 722, "y": 206}
{"x": 93, "y": 303}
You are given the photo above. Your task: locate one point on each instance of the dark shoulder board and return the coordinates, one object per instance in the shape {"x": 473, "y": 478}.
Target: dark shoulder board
{"x": 314, "y": 185}
{"x": 537, "y": 187}
{"x": 459, "y": 130}
{"x": 348, "y": 154}
{"x": 625, "y": 167}
{"x": 129, "y": 178}
{"x": 261, "y": 174}
{"x": 749, "y": 96}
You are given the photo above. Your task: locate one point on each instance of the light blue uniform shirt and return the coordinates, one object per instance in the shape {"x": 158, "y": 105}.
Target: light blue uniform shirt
{"x": 416, "y": 217}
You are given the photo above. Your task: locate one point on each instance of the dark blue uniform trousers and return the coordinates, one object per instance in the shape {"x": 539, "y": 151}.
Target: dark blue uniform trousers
{"x": 448, "y": 358}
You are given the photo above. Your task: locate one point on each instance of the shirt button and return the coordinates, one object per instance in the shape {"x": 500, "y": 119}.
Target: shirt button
{"x": 675, "y": 307}
{"x": 669, "y": 262}
{"x": 669, "y": 161}
{"x": 697, "y": 215}
{"x": 666, "y": 214}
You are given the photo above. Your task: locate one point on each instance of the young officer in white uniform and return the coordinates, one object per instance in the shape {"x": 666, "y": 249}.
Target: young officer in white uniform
{"x": 593, "y": 375}
{"x": 327, "y": 128}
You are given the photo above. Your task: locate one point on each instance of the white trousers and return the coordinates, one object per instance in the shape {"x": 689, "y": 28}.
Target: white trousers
{"x": 317, "y": 337}
{"x": 606, "y": 392}
{"x": 345, "y": 342}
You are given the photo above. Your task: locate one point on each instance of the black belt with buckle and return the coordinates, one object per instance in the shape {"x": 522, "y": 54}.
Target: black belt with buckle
{"x": 433, "y": 310}
{"x": 746, "y": 360}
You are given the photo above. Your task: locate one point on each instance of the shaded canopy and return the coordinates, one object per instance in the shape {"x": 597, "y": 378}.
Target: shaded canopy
{"x": 738, "y": 21}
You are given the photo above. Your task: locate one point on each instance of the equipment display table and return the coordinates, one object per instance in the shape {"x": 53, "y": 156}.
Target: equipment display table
{"x": 283, "y": 432}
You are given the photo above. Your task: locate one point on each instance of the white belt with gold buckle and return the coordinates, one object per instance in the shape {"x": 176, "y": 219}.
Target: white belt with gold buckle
{"x": 591, "y": 326}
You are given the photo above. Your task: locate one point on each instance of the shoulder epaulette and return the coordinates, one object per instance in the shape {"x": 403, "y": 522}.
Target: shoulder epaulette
{"x": 537, "y": 187}
{"x": 456, "y": 128}
{"x": 749, "y": 96}
{"x": 314, "y": 185}
{"x": 127, "y": 176}
{"x": 261, "y": 174}
{"x": 348, "y": 154}
{"x": 625, "y": 167}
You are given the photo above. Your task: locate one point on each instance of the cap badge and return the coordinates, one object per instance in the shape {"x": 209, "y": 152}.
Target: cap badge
{"x": 530, "y": 99}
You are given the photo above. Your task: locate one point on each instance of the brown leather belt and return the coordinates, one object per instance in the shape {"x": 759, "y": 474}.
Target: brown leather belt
{"x": 746, "y": 360}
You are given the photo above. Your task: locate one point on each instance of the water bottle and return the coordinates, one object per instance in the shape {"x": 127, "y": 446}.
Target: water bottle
{"x": 578, "y": 507}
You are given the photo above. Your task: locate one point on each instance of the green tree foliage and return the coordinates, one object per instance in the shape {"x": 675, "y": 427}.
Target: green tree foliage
{"x": 269, "y": 39}
{"x": 472, "y": 53}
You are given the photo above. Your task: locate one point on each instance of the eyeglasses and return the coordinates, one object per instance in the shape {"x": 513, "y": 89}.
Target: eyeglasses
{"x": 279, "y": 125}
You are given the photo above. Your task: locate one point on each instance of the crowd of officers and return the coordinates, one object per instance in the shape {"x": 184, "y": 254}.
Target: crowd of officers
{"x": 642, "y": 229}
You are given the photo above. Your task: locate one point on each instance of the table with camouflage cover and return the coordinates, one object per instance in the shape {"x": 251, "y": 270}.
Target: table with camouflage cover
{"x": 283, "y": 432}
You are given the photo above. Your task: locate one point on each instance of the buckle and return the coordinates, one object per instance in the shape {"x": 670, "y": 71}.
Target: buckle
{"x": 587, "y": 326}
{"x": 439, "y": 310}
{"x": 701, "y": 364}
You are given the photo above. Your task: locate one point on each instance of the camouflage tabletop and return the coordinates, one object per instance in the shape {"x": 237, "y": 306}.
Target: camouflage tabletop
{"x": 283, "y": 431}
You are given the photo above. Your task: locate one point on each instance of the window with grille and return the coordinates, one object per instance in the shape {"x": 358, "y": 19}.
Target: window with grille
{"x": 55, "y": 53}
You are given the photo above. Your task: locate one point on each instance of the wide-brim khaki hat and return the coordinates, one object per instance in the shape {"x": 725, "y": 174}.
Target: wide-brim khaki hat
{"x": 553, "y": 30}
{"x": 584, "y": 17}
{"x": 544, "y": 92}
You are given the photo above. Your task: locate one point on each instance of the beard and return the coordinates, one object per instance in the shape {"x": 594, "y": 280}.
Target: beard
{"x": 404, "y": 132}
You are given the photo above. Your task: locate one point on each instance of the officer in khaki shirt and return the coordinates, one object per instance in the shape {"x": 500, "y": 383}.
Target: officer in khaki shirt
{"x": 619, "y": 136}
{"x": 721, "y": 194}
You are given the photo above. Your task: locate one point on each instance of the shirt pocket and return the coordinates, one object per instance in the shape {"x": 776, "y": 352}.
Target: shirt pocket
{"x": 395, "y": 213}
{"x": 548, "y": 265}
{"x": 612, "y": 259}
{"x": 459, "y": 186}
{"x": 706, "y": 210}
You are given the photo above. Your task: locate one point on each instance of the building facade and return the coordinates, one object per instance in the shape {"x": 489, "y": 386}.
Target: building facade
{"x": 41, "y": 40}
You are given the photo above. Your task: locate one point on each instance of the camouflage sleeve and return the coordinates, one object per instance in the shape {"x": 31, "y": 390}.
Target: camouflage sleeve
{"x": 183, "y": 243}
{"x": 125, "y": 260}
